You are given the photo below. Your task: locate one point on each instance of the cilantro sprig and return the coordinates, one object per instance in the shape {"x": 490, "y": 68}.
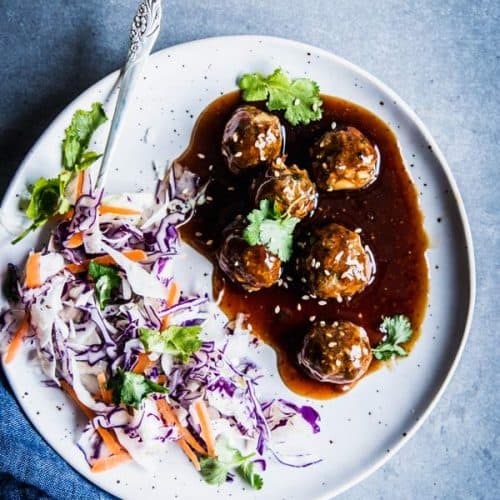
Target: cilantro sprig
{"x": 268, "y": 227}
{"x": 180, "y": 341}
{"x": 215, "y": 470}
{"x": 47, "y": 197}
{"x": 106, "y": 280}
{"x": 397, "y": 330}
{"x": 131, "y": 388}
{"x": 299, "y": 98}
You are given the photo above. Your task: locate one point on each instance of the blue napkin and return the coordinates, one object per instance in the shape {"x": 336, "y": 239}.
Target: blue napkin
{"x": 29, "y": 468}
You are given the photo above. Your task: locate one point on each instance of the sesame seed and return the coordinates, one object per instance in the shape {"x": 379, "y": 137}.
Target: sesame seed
{"x": 333, "y": 125}
{"x": 210, "y": 242}
{"x": 299, "y": 307}
{"x": 238, "y": 154}
{"x": 358, "y": 230}
{"x": 198, "y": 234}
{"x": 210, "y": 167}
{"x": 339, "y": 299}
{"x": 231, "y": 188}
{"x": 312, "y": 318}
{"x": 327, "y": 272}
{"x": 322, "y": 302}
{"x": 305, "y": 297}
{"x": 209, "y": 198}
{"x": 201, "y": 156}
{"x": 322, "y": 323}
{"x": 277, "y": 310}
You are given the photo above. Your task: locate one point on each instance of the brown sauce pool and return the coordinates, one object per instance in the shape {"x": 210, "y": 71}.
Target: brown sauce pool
{"x": 387, "y": 212}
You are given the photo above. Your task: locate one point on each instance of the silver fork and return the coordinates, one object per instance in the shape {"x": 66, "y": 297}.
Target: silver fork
{"x": 143, "y": 34}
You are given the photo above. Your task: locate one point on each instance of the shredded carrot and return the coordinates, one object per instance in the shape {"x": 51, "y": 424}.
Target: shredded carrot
{"x": 162, "y": 379}
{"x": 66, "y": 216}
{"x": 108, "y": 438}
{"x": 104, "y": 391}
{"x": 33, "y": 279}
{"x": 108, "y": 209}
{"x": 79, "y": 184}
{"x": 206, "y": 430}
{"x": 17, "y": 340}
{"x": 189, "y": 453}
{"x": 171, "y": 418}
{"x": 143, "y": 363}
{"x": 106, "y": 260}
{"x": 75, "y": 241}
{"x": 107, "y": 463}
{"x": 174, "y": 294}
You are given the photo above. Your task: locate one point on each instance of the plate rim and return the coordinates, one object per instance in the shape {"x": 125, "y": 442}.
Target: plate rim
{"x": 412, "y": 116}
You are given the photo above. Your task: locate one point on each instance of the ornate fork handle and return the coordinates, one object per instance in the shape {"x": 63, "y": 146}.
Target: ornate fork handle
{"x": 143, "y": 34}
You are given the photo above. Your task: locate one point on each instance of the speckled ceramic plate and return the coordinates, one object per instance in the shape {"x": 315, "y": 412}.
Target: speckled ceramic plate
{"x": 360, "y": 430}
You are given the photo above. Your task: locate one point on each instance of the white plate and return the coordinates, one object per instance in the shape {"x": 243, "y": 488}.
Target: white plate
{"x": 360, "y": 430}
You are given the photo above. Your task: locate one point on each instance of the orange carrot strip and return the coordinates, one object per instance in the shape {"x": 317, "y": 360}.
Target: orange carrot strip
{"x": 174, "y": 294}
{"x": 107, "y": 463}
{"x": 189, "y": 453}
{"x": 171, "y": 418}
{"x": 162, "y": 379}
{"x": 79, "y": 184}
{"x": 17, "y": 340}
{"x": 108, "y": 438}
{"x": 66, "y": 216}
{"x": 206, "y": 430}
{"x": 143, "y": 363}
{"x": 33, "y": 279}
{"x": 105, "y": 392}
{"x": 108, "y": 209}
{"x": 107, "y": 260}
{"x": 75, "y": 241}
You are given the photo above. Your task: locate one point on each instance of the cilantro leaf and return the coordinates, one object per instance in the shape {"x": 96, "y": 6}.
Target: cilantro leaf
{"x": 180, "y": 341}
{"x": 252, "y": 478}
{"x": 397, "y": 330}
{"x": 215, "y": 470}
{"x": 269, "y": 228}
{"x": 299, "y": 98}
{"x": 131, "y": 388}
{"x": 77, "y": 137}
{"x": 106, "y": 280}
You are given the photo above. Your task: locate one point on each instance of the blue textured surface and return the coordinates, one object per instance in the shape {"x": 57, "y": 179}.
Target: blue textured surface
{"x": 441, "y": 57}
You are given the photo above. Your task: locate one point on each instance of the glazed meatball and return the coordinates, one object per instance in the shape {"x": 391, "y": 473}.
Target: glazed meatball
{"x": 344, "y": 159}
{"x": 334, "y": 262}
{"x": 252, "y": 267}
{"x": 251, "y": 138}
{"x": 289, "y": 187}
{"x": 338, "y": 352}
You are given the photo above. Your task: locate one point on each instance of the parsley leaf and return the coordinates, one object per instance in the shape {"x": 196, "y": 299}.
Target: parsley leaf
{"x": 106, "y": 280}
{"x": 215, "y": 470}
{"x": 252, "y": 478}
{"x": 397, "y": 330}
{"x": 180, "y": 341}
{"x": 77, "y": 138}
{"x": 131, "y": 388}
{"x": 47, "y": 196}
{"x": 269, "y": 228}
{"x": 299, "y": 98}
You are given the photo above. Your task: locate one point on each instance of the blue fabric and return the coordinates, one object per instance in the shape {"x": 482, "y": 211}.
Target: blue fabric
{"x": 29, "y": 468}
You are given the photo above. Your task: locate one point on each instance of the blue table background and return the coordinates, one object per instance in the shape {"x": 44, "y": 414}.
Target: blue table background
{"x": 442, "y": 57}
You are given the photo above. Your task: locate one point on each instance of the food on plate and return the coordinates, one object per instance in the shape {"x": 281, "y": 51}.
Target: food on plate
{"x": 334, "y": 263}
{"x": 349, "y": 233}
{"x": 145, "y": 360}
{"x": 338, "y": 352}
{"x": 289, "y": 187}
{"x": 251, "y": 138}
{"x": 252, "y": 266}
{"x": 343, "y": 159}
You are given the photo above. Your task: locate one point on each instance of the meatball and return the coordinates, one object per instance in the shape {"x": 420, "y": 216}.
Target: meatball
{"x": 338, "y": 352}
{"x": 289, "y": 187}
{"x": 334, "y": 262}
{"x": 343, "y": 159}
{"x": 251, "y": 138}
{"x": 253, "y": 267}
